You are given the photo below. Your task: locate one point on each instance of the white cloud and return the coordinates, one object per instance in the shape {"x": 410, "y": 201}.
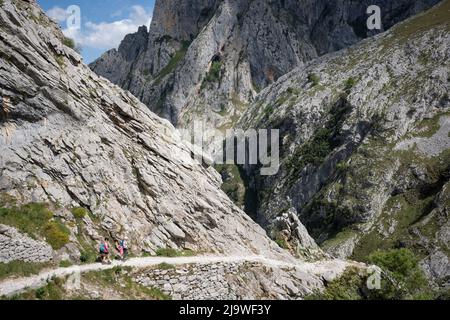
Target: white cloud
{"x": 107, "y": 35}
{"x": 58, "y": 14}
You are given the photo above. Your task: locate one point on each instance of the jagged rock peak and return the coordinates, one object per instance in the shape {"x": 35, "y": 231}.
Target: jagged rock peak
{"x": 209, "y": 59}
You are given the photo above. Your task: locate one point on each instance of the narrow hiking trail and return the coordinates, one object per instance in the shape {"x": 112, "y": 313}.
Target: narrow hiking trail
{"x": 11, "y": 287}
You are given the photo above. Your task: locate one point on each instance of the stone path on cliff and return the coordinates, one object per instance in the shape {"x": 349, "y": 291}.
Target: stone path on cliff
{"x": 11, "y": 287}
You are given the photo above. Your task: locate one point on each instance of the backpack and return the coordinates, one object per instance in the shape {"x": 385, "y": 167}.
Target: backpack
{"x": 103, "y": 248}
{"x": 123, "y": 244}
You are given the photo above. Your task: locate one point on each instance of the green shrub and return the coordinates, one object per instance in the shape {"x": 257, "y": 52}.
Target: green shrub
{"x": 342, "y": 166}
{"x": 87, "y": 256}
{"x": 65, "y": 264}
{"x": 169, "y": 252}
{"x": 269, "y": 110}
{"x": 69, "y": 42}
{"x": 40, "y": 293}
{"x": 56, "y": 234}
{"x": 54, "y": 290}
{"x": 156, "y": 294}
{"x": 79, "y": 213}
{"x": 214, "y": 73}
{"x": 346, "y": 287}
{"x": 314, "y": 79}
{"x": 403, "y": 278}
{"x": 292, "y": 92}
{"x": 60, "y": 61}
{"x": 281, "y": 243}
{"x": 166, "y": 266}
{"x": 350, "y": 83}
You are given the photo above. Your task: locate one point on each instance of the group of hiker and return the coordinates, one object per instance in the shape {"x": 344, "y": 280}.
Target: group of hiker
{"x": 121, "y": 248}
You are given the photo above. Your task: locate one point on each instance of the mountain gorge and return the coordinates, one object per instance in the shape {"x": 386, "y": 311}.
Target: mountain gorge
{"x": 364, "y": 122}
{"x": 365, "y": 152}
{"x": 82, "y": 160}
{"x": 207, "y": 60}
{"x": 364, "y": 126}
{"x": 72, "y": 139}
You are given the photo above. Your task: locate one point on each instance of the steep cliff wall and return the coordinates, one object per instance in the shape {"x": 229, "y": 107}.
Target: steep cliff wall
{"x": 365, "y": 145}
{"x": 209, "y": 64}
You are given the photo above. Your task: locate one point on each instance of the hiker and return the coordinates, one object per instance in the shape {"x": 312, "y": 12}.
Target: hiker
{"x": 124, "y": 245}
{"x": 119, "y": 248}
{"x": 104, "y": 251}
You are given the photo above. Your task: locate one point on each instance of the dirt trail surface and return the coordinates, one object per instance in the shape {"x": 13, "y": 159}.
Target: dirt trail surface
{"x": 14, "y": 286}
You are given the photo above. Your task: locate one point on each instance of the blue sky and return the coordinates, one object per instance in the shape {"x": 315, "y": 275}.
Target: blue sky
{"x": 103, "y": 24}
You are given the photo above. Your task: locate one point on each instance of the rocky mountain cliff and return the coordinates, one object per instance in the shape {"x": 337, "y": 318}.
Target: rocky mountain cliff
{"x": 365, "y": 146}
{"x": 101, "y": 161}
{"x": 82, "y": 160}
{"x": 207, "y": 59}
{"x": 365, "y": 131}
{"x": 364, "y": 161}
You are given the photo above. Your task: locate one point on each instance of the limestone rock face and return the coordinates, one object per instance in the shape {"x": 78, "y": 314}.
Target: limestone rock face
{"x": 207, "y": 59}
{"x": 71, "y": 138}
{"x": 116, "y": 64}
{"x": 365, "y": 145}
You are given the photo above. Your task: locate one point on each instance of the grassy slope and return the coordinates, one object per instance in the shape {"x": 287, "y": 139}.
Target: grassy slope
{"x": 114, "y": 284}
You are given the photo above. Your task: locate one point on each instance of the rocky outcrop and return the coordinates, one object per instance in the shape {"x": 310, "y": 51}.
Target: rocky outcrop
{"x": 116, "y": 65}
{"x": 365, "y": 155}
{"x": 15, "y": 246}
{"x": 230, "y": 281}
{"x": 433, "y": 235}
{"x": 206, "y": 60}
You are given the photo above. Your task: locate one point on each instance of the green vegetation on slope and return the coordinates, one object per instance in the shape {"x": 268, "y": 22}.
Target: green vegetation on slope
{"x": 116, "y": 283}
{"x": 236, "y": 184}
{"x": 79, "y": 212}
{"x": 409, "y": 208}
{"x": 169, "y": 252}
{"x": 21, "y": 269}
{"x": 36, "y": 220}
{"x": 321, "y": 144}
{"x": 437, "y": 16}
{"x": 213, "y": 74}
{"x": 401, "y": 279}
{"x": 342, "y": 202}
{"x": 314, "y": 79}
{"x": 233, "y": 184}
{"x": 173, "y": 62}
{"x": 69, "y": 42}
{"x": 120, "y": 280}
{"x": 346, "y": 287}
